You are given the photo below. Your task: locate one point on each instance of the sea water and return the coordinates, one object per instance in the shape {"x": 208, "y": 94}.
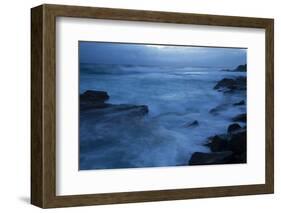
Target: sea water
{"x": 175, "y": 96}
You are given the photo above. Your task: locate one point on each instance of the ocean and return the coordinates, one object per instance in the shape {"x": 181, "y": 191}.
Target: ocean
{"x": 175, "y": 96}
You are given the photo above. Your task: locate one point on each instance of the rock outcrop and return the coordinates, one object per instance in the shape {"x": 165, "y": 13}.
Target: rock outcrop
{"x": 93, "y": 104}
{"x": 93, "y": 99}
{"x": 241, "y": 68}
{"x": 231, "y": 84}
{"x": 233, "y": 127}
{"x": 200, "y": 158}
{"x": 240, "y": 118}
{"x": 230, "y": 147}
{"x": 225, "y": 149}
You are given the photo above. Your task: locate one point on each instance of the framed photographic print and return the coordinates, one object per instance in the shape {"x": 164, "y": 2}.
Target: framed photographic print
{"x": 136, "y": 106}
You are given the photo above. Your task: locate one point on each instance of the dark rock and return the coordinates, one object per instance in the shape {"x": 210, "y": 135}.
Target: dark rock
{"x": 241, "y": 82}
{"x": 238, "y": 142}
{"x": 240, "y": 118}
{"x": 230, "y": 84}
{"x": 241, "y": 68}
{"x": 93, "y": 99}
{"x": 216, "y": 110}
{"x": 86, "y": 105}
{"x": 199, "y": 158}
{"x": 226, "y": 82}
{"x": 192, "y": 124}
{"x": 240, "y": 158}
{"x": 235, "y": 142}
{"x": 97, "y": 96}
{"x": 233, "y": 127}
{"x": 239, "y": 103}
{"x": 218, "y": 143}
{"x": 93, "y": 106}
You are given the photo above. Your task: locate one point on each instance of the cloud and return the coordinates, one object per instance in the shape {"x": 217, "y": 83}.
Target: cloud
{"x": 159, "y": 55}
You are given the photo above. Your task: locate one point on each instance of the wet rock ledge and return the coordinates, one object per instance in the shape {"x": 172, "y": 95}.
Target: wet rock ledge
{"x": 93, "y": 103}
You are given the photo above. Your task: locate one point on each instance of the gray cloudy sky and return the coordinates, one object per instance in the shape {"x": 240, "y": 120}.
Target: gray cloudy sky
{"x": 157, "y": 55}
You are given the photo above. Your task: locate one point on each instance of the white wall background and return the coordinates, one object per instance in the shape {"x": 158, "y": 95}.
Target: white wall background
{"x": 15, "y": 105}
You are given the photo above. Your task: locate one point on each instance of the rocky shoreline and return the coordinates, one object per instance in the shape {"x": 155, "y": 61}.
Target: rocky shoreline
{"x": 225, "y": 149}
{"x": 228, "y": 148}
{"x": 231, "y": 147}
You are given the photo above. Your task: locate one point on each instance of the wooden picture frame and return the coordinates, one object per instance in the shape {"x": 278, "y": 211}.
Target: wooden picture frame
{"x": 43, "y": 105}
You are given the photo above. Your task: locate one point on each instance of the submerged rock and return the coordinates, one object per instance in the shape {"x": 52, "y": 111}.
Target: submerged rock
{"x": 112, "y": 112}
{"x": 129, "y": 109}
{"x": 240, "y": 118}
{"x": 216, "y": 110}
{"x": 239, "y": 103}
{"x": 200, "y": 158}
{"x": 192, "y": 124}
{"x": 226, "y": 69}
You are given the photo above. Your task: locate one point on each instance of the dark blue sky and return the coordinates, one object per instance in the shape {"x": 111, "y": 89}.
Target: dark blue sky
{"x": 157, "y": 55}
